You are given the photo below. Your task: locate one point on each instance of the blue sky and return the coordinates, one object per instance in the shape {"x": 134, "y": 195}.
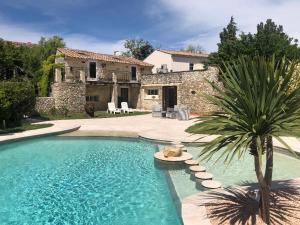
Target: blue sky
{"x": 103, "y": 25}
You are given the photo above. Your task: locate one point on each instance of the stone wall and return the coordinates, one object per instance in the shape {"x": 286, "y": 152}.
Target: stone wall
{"x": 69, "y": 95}
{"x": 103, "y": 92}
{"x": 194, "y": 85}
{"x": 162, "y": 78}
{"x": 191, "y": 86}
{"x": 44, "y": 104}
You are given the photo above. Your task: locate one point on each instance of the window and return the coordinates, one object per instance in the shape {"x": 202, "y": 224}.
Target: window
{"x": 133, "y": 73}
{"x": 164, "y": 66}
{"x": 153, "y": 92}
{"x": 191, "y": 66}
{"x": 92, "y": 98}
{"x": 63, "y": 74}
{"x": 92, "y": 69}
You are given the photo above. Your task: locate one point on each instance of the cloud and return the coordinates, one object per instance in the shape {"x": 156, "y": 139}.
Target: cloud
{"x": 13, "y": 32}
{"x": 202, "y": 21}
{"x": 80, "y": 41}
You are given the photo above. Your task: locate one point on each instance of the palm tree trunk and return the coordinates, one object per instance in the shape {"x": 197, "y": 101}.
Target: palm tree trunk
{"x": 268, "y": 174}
{"x": 263, "y": 187}
{"x": 269, "y": 161}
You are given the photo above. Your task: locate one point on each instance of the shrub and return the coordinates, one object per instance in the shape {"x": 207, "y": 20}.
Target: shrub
{"x": 17, "y": 98}
{"x": 90, "y": 109}
{"x": 53, "y": 111}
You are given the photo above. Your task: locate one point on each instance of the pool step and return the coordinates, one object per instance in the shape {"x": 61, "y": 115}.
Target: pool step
{"x": 201, "y": 176}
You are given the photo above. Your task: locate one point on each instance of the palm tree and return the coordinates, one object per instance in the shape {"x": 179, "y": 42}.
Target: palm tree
{"x": 258, "y": 102}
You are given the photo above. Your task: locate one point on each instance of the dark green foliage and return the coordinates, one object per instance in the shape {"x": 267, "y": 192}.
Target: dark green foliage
{"x": 11, "y": 63}
{"x": 49, "y": 46}
{"x": 27, "y": 62}
{"x": 47, "y": 76}
{"x": 138, "y": 48}
{"x": 16, "y": 99}
{"x": 269, "y": 40}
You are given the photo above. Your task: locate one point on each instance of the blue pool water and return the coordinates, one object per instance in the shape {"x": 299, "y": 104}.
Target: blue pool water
{"x": 56, "y": 180}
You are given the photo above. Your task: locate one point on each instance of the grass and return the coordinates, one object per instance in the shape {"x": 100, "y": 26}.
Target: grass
{"x": 24, "y": 127}
{"x": 98, "y": 114}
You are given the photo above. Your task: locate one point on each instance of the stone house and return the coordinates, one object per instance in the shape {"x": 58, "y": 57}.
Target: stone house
{"x": 101, "y": 78}
{"x": 165, "y": 61}
{"x": 96, "y": 78}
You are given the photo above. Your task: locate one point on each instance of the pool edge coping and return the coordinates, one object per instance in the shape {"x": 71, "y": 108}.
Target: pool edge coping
{"x": 58, "y": 131}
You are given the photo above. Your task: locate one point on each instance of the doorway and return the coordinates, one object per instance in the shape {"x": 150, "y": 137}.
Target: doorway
{"x": 124, "y": 96}
{"x": 169, "y": 97}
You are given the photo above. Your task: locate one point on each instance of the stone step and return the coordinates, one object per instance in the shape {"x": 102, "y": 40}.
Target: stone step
{"x": 195, "y": 169}
{"x": 211, "y": 184}
{"x": 204, "y": 176}
{"x": 191, "y": 162}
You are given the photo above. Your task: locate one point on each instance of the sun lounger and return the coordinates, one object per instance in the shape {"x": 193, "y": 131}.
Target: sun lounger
{"x": 112, "y": 108}
{"x": 124, "y": 108}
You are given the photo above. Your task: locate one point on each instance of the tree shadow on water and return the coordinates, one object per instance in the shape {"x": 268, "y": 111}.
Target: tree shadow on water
{"x": 236, "y": 206}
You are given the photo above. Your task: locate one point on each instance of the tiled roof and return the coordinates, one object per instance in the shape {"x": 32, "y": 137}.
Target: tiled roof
{"x": 183, "y": 53}
{"x": 81, "y": 54}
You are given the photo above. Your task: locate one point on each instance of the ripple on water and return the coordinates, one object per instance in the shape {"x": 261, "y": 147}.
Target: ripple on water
{"x": 83, "y": 181}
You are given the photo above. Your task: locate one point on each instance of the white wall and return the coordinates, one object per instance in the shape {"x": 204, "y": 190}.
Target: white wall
{"x": 174, "y": 63}
{"x": 157, "y": 58}
{"x": 181, "y": 63}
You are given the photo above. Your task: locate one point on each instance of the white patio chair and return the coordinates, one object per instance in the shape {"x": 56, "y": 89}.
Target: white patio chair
{"x": 124, "y": 107}
{"x": 112, "y": 108}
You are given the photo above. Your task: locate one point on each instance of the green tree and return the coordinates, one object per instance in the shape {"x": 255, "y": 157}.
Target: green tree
{"x": 49, "y": 46}
{"x": 138, "y": 48}
{"x": 193, "y": 48}
{"x": 10, "y": 61}
{"x": 259, "y": 102}
{"x": 269, "y": 40}
{"x": 228, "y": 48}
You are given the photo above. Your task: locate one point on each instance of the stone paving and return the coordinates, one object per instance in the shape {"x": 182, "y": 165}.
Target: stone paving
{"x": 146, "y": 126}
{"x": 56, "y": 129}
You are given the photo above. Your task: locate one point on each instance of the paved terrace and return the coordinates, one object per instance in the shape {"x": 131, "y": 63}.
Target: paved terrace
{"x": 148, "y": 127}
{"x": 145, "y": 126}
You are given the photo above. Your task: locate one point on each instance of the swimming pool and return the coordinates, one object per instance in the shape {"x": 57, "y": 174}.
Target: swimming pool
{"x": 60, "y": 180}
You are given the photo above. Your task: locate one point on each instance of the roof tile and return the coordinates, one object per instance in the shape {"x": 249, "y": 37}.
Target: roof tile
{"x": 82, "y": 54}
{"x": 183, "y": 53}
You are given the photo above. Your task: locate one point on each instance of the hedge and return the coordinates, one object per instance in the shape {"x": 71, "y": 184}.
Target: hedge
{"x": 17, "y": 99}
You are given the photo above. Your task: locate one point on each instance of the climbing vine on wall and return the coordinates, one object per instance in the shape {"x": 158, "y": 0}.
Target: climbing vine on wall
{"x": 48, "y": 68}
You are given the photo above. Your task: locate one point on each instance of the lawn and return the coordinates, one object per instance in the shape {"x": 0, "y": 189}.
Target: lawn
{"x": 24, "y": 127}
{"x": 98, "y": 114}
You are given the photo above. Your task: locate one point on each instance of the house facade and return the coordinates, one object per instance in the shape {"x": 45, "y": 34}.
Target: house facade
{"x": 96, "y": 78}
{"x": 165, "y": 61}
{"x": 88, "y": 77}
{"x": 179, "y": 88}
